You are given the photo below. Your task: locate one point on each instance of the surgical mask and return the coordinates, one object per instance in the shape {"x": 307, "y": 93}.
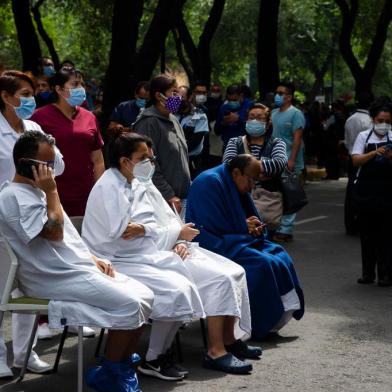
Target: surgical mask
{"x": 382, "y": 129}
{"x": 77, "y": 96}
{"x": 26, "y": 108}
{"x": 255, "y": 128}
{"x": 49, "y": 70}
{"x": 172, "y": 103}
{"x": 143, "y": 171}
{"x": 278, "y": 100}
{"x": 140, "y": 102}
{"x": 200, "y": 99}
{"x": 215, "y": 95}
{"x": 233, "y": 105}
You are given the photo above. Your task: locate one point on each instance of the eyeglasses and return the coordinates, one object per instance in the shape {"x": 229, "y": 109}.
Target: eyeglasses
{"x": 38, "y": 162}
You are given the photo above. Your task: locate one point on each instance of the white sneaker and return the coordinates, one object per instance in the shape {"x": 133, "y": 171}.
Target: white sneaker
{"x": 35, "y": 365}
{"x": 5, "y": 371}
{"x": 87, "y": 331}
{"x": 44, "y": 332}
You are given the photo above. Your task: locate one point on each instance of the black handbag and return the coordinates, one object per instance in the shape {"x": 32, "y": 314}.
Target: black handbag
{"x": 294, "y": 196}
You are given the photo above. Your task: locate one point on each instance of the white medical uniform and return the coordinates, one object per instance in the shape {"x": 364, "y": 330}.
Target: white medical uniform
{"x": 111, "y": 206}
{"x": 221, "y": 282}
{"x": 22, "y": 324}
{"x": 64, "y": 271}
{"x": 8, "y": 138}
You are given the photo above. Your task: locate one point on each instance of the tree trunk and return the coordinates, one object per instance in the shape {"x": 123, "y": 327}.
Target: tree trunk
{"x": 162, "y": 22}
{"x": 27, "y": 36}
{"x": 120, "y": 80}
{"x": 44, "y": 35}
{"x": 267, "y": 46}
{"x": 181, "y": 57}
{"x": 363, "y": 76}
{"x": 319, "y": 77}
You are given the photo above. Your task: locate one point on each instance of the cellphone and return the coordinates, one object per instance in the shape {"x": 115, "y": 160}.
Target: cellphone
{"x": 24, "y": 168}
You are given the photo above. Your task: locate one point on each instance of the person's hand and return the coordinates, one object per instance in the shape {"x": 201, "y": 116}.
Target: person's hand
{"x": 104, "y": 266}
{"x": 44, "y": 179}
{"x": 177, "y": 203}
{"x": 182, "y": 251}
{"x": 388, "y": 153}
{"x": 188, "y": 233}
{"x": 255, "y": 227}
{"x": 380, "y": 151}
{"x": 291, "y": 164}
{"x": 231, "y": 118}
{"x": 133, "y": 230}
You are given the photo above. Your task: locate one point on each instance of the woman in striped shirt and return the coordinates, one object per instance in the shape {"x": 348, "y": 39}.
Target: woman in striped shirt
{"x": 271, "y": 152}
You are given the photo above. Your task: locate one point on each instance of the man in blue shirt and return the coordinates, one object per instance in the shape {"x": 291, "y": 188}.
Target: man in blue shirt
{"x": 125, "y": 113}
{"x": 288, "y": 123}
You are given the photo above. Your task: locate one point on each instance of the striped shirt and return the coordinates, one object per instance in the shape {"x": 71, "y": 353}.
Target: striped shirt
{"x": 273, "y": 165}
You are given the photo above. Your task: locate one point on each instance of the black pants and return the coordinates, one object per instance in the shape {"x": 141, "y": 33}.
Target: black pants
{"x": 376, "y": 246}
{"x": 350, "y": 214}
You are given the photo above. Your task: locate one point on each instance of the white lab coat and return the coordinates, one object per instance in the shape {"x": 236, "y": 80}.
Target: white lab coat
{"x": 221, "y": 282}
{"x": 8, "y": 138}
{"x": 110, "y": 207}
{"x": 64, "y": 270}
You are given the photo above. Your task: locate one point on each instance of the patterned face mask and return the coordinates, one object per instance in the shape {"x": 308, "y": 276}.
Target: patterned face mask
{"x": 172, "y": 103}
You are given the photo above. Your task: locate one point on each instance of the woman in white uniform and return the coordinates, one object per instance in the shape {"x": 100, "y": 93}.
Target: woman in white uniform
{"x": 212, "y": 273}
{"x": 54, "y": 263}
{"x": 121, "y": 228}
{"x": 17, "y": 104}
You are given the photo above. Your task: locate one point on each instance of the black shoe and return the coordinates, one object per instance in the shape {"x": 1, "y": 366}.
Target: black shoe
{"x": 160, "y": 368}
{"x": 365, "y": 280}
{"x": 384, "y": 282}
{"x": 170, "y": 359}
{"x": 241, "y": 350}
{"x": 227, "y": 363}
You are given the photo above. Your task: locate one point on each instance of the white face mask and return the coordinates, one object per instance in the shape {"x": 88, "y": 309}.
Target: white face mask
{"x": 382, "y": 129}
{"x": 144, "y": 170}
{"x": 200, "y": 99}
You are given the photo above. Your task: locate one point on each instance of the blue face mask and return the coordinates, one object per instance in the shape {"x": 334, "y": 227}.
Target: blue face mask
{"x": 255, "y": 128}
{"x": 77, "y": 96}
{"x": 233, "y": 105}
{"x": 49, "y": 70}
{"x": 140, "y": 102}
{"x": 26, "y": 108}
{"x": 44, "y": 94}
{"x": 278, "y": 100}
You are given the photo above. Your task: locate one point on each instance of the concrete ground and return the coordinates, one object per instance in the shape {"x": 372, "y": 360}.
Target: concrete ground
{"x": 343, "y": 343}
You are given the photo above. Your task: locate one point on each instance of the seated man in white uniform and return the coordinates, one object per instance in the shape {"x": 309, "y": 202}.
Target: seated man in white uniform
{"x": 120, "y": 225}
{"x": 54, "y": 263}
{"x": 221, "y": 282}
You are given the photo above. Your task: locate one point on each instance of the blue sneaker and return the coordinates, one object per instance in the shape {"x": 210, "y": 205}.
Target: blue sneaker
{"x": 241, "y": 350}
{"x": 114, "y": 376}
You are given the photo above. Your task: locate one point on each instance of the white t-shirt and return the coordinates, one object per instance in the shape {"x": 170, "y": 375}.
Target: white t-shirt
{"x": 360, "y": 121}
{"x": 360, "y": 142}
{"x": 8, "y": 138}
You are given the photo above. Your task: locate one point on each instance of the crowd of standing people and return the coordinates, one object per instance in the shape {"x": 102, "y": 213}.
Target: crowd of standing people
{"x": 184, "y": 200}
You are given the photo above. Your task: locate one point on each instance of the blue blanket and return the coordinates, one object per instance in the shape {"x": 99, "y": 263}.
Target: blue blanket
{"x": 214, "y": 205}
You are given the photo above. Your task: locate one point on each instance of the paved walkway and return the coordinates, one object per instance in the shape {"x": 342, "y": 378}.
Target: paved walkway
{"x": 342, "y": 344}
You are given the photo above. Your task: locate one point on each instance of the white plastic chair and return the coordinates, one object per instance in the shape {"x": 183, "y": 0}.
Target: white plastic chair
{"x": 37, "y": 306}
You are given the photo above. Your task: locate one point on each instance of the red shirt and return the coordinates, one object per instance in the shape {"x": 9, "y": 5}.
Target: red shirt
{"x": 76, "y": 138}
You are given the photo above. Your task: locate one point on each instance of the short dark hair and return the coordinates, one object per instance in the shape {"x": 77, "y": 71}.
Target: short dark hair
{"x": 246, "y": 91}
{"x": 240, "y": 162}
{"x": 10, "y": 82}
{"x": 143, "y": 84}
{"x": 376, "y": 108}
{"x": 288, "y": 86}
{"x": 160, "y": 84}
{"x": 66, "y": 61}
{"x": 123, "y": 144}
{"x": 233, "y": 89}
{"x": 198, "y": 83}
{"x": 61, "y": 77}
{"x": 28, "y": 144}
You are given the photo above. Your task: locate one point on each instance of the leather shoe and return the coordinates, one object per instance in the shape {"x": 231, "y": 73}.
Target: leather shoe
{"x": 365, "y": 280}
{"x": 35, "y": 365}
{"x": 384, "y": 282}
